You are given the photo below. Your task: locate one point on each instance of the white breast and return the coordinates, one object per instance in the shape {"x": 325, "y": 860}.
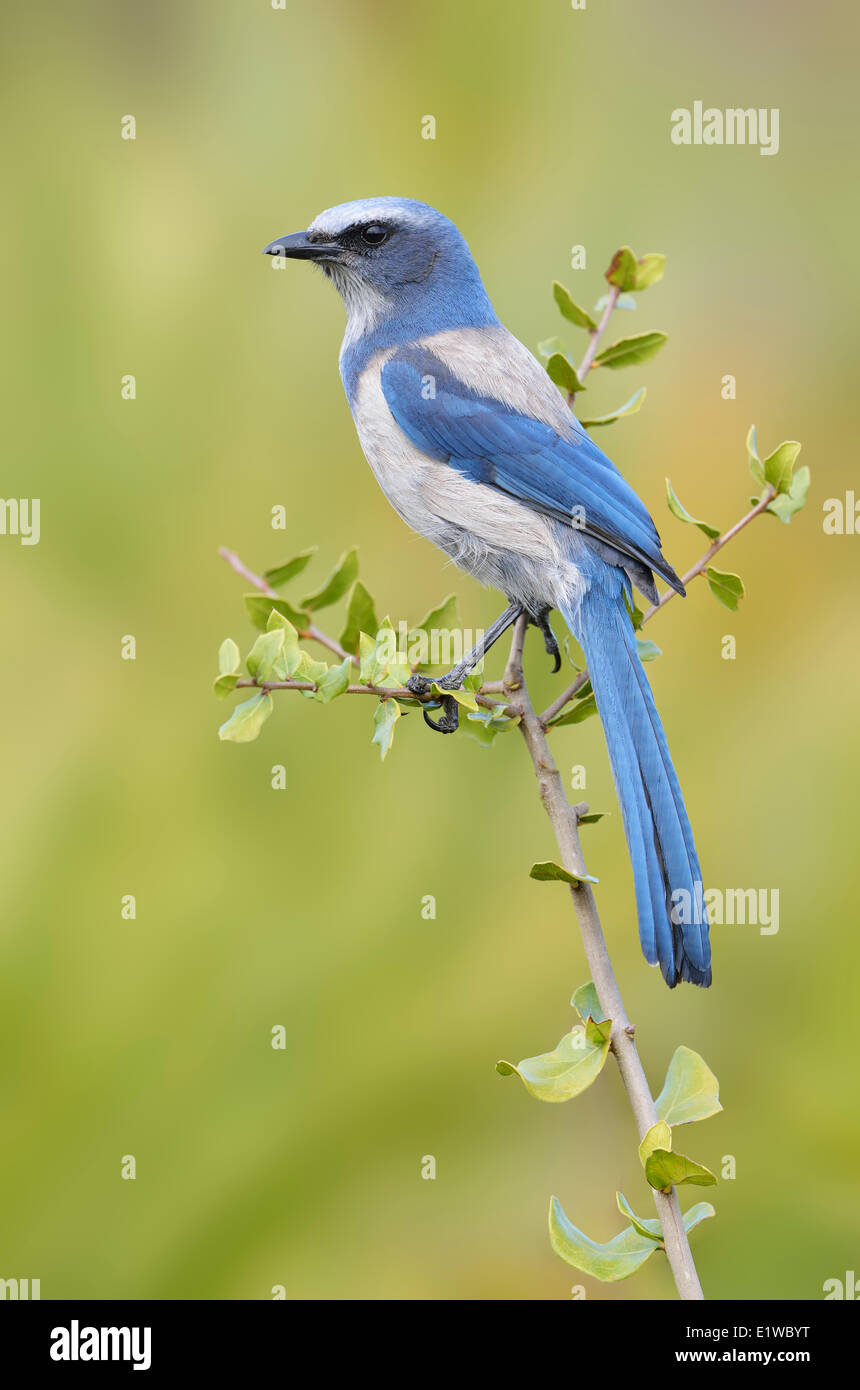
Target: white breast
{"x": 498, "y": 539}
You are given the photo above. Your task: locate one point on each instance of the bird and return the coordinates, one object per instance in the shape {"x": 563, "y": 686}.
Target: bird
{"x": 476, "y": 449}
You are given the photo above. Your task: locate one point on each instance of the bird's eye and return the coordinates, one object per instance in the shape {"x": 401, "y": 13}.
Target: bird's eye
{"x": 374, "y": 235}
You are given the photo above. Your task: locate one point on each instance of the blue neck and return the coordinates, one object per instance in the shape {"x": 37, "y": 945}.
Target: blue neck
{"x": 458, "y": 306}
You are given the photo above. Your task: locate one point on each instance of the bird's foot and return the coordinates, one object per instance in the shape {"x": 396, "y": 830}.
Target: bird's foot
{"x": 420, "y": 685}
{"x": 450, "y": 719}
{"x": 549, "y": 639}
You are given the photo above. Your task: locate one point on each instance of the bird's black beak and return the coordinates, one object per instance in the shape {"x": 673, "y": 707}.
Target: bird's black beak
{"x": 299, "y": 247}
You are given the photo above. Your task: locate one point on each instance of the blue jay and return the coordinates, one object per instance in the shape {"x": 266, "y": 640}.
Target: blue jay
{"x": 476, "y": 450}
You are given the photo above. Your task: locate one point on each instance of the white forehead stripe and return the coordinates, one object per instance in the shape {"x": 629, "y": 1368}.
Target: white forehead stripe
{"x": 336, "y": 220}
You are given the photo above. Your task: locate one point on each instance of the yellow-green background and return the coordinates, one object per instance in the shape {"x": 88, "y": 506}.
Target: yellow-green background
{"x": 257, "y": 907}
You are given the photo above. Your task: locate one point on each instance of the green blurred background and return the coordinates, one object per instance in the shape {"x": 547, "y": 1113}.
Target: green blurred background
{"x": 303, "y": 907}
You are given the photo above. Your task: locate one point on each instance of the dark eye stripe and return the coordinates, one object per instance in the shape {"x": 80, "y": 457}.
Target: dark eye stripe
{"x": 364, "y": 235}
{"x": 374, "y": 234}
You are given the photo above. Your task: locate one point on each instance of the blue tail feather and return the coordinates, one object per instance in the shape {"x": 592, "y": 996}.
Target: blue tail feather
{"x": 656, "y": 825}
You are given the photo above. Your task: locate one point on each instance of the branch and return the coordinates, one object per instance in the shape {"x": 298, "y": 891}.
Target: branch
{"x": 564, "y": 819}
{"x": 382, "y": 692}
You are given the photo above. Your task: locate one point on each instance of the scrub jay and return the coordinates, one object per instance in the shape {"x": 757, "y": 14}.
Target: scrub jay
{"x": 476, "y": 450}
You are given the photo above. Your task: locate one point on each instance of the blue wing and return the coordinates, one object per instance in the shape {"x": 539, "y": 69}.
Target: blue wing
{"x": 521, "y": 456}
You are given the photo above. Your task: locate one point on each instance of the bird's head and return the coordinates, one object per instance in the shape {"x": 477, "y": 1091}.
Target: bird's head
{"x": 390, "y": 257}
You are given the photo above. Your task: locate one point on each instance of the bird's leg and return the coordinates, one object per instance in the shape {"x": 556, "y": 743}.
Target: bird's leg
{"x": 454, "y": 678}
{"x": 420, "y": 685}
{"x": 549, "y": 639}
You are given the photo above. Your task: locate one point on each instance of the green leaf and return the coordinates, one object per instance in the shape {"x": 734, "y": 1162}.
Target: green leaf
{"x": 583, "y": 709}
{"x": 755, "y": 463}
{"x": 385, "y": 717}
{"x": 563, "y": 373}
{"x": 650, "y": 1226}
{"x": 624, "y": 301}
{"x": 690, "y": 1091}
{"x": 565, "y": 1072}
{"x": 649, "y": 269}
{"x": 229, "y": 658}
{"x": 698, "y": 1213}
{"x": 636, "y": 614}
{"x": 247, "y": 719}
{"x": 630, "y": 407}
{"x": 281, "y": 573}
{"x": 370, "y": 666}
{"x": 333, "y": 683}
{"x": 779, "y": 466}
{"x": 650, "y": 1229}
{"x": 484, "y": 725}
{"x": 597, "y": 1031}
{"x": 592, "y": 817}
{"x": 629, "y": 352}
{"x": 666, "y": 1169}
{"x": 380, "y": 661}
{"x": 565, "y": 646}
{"x": 622, "y": 269}
{"x": 586, "y": 1002}
{"x": 341, "y": 578}
{"x": 445, "y": 617}
{"x": 264, "y": 653}
{"x": 648, "y": 651}
{"x": 290, "y": 658}
{"x": 680, "y": 511}
{"x": 571, "y": 309}
{"x": 547, "y": 346}
{"x": 790, "y": 502}
{"x": 360, "y": 617}
{"x": 617, "y": 1259}
{"x": 260, "y": 606}
{"x": 659, "y": 1136}
{"x": 310, "y": 670}
{"x": 549, "y": 872}
{"x": 465, "y": 698}
{"x": 728, "y": 588}
{"x": 626, "y": 273}
{"x": 224, "y": 684}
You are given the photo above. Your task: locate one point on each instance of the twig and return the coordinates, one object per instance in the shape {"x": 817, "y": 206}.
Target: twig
{"x": 564, "y": 822}
{"x": 585, "y": 365}
{"x": 382, "y": 692}
{"x": 309, "y": 633}
{"x": 701, "y": 564}
{"x": 596, "y": 334}
{"x": 698, "y": 568}
{"x": 235, "y": 563}
{"x": 558, "y": 704}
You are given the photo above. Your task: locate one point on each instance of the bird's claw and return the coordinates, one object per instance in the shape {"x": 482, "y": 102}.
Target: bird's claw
{"x": 549, "y": 640}
{"x": 450, "y": 719}
{"x": 419, "y": 685}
